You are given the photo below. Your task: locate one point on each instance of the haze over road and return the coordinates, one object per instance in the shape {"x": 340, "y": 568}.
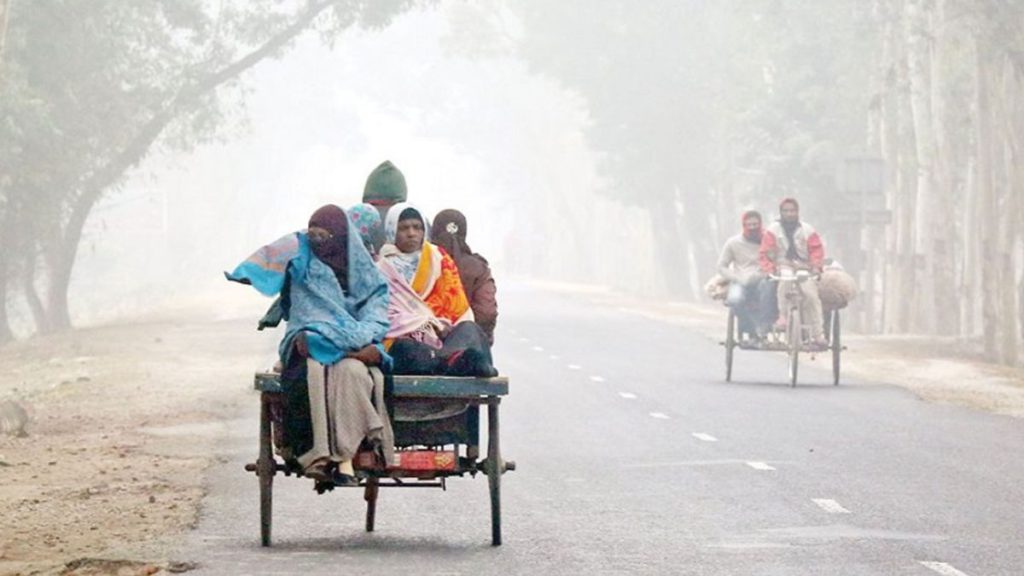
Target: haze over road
{"x": 635, "y": 457}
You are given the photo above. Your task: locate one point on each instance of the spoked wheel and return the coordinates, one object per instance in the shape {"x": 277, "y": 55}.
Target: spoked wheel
{"x": 837, "y": 347}
{"x": 494, "y": 469}
{"x": 793, "y": 337}
{"x": 730, "y": 344}
{"x": 265, "y": 470}
{"x": 370, "y": 495}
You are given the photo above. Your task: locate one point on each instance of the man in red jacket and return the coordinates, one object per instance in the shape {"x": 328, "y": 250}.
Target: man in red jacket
{"x": 788, "y": 242}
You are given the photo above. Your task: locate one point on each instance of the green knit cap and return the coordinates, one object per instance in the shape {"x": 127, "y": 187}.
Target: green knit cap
{"x": 385, "y": 184}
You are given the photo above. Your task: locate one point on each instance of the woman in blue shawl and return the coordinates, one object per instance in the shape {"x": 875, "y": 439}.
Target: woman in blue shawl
{"x": 335, "y": 302}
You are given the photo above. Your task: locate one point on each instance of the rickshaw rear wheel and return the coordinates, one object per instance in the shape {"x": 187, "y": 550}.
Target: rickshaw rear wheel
{"x": 794, "y": 334}
{"x": 494, "y": 470}
{"x": 265, "y": 470}
{"x": 837, "y": 347}
{"x": 730, "y": 344}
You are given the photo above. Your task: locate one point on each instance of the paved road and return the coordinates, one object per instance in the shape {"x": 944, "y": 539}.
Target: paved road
{"x": 635, "y": 457}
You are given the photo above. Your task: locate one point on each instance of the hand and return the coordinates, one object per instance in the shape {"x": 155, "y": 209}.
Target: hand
{"x": 368, "y": 355}
{"x": 301, "y": 346}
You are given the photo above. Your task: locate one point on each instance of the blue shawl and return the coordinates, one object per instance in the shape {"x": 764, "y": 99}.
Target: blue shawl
{"x": 335, "y": 322}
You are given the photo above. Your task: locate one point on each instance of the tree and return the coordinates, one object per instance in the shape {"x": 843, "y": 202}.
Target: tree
{"x": 103, "y": 82}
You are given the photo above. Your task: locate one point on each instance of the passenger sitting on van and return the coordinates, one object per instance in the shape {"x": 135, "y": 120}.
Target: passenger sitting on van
{"x": 335, "y": 301}
{"x": 749, "y": 294}
{"x": 449, "y": 233}
{"x": 432, "y": 329}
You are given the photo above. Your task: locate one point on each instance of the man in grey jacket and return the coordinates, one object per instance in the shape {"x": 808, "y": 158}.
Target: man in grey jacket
{"x": 750, "y": 295}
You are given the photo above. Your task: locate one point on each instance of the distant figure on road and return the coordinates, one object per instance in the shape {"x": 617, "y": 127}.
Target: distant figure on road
{"x": 335, "y": 301}
{"x": 449, "y": 233}
{"x": 750, "y": 293}
{"x": 432, "y": 328}
{"x": 788, "y": 242}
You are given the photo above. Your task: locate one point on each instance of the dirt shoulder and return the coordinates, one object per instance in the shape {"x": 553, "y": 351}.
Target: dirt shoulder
{"x": 123, "y": 422}
{"x": 936, "y": 370}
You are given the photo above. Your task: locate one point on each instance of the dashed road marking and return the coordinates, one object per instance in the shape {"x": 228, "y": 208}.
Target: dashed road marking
{"x": 830, "y": 506}
{"x": 596, "y": 379}
{"x": 659, "y": 415}
{"x": 575, "y": 367}
{"x": 628, "y": 395}
{"x": 942, "y": 568}
{"x": 524, "y": 339}
{"x": 760, "y": 466}
{"x": 704, "y": 437}
{"x": 554, "y": 357}
{"x": 538, "y": 349}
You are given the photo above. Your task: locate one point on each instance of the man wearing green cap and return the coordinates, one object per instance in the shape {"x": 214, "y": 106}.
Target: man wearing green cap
{"x": 385, "y": 187}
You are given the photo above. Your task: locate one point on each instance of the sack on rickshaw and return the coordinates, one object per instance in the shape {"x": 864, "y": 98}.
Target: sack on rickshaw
{"x": 836, "y": 288}
{"x": 717, "y": 287}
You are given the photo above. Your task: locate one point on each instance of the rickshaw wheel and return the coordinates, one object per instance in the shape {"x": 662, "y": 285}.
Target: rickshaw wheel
{"x": 265, "y": 469}
{"x": 370, "y": 495}
{"x": 494, "y": 470}
{"x": 730, "y": 344}
{"x": 837, "y": 347}
{"x": 794, "y": 335}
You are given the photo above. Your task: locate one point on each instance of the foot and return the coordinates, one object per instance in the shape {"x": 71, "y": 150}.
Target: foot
{"x": 343, "y": 480}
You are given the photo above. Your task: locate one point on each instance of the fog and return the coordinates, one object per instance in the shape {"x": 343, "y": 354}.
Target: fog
{"x": 593, "y": 142}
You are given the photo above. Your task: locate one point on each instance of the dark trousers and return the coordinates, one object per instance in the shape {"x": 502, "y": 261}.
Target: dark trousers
{"x": 466, "y": 351}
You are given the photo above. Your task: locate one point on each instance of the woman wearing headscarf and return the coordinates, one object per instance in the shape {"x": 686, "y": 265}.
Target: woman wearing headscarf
{"x": 366, "y": 221}
{"x": 335, "y": 301}
{"x": 432, "y": 329}
{"x": 449, "y": 233}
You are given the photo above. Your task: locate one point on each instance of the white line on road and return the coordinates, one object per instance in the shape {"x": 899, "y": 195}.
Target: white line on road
{"x": 628, "y": 395}
{"x": 760, "y": 466}
{"x": 575, "y": 367}
{"x": 596, "y": 379}
{"x": 704, "y": 437}
{"x": 538, "y": 349}
{"x": 830, "y": 506}
{"x": 524, "y": 339}
{"x": 659, "y": 415}
{"x": 942, "y": 568}
{"x": 554, "y": 357}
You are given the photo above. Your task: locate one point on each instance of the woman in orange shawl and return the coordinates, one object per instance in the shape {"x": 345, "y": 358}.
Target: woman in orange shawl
{"x": 431, "y": 323}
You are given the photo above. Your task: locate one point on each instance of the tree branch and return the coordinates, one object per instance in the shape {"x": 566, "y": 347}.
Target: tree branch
{"x": 92, "y": 188}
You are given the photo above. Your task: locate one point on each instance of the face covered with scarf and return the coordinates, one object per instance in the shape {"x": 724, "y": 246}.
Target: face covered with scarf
{"x": 449, "y": 232}
{"x": 328, "y": 238}
{"x": 752, "y": 226}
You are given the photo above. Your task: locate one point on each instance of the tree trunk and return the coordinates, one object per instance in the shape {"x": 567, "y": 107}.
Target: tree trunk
{"x": 1007, "y": 221}
{"x": 28, "y": 286}
{"x": 988, "y": 216}
{"x": 941, "y": 249}
{"x": 918, "y": 67}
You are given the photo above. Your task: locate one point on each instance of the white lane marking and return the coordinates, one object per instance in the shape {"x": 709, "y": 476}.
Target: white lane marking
{"x": 538, "y": 349}
{"x": 596, "y": 379}
{"x": 830, "y": 506}
{"x": 628, "y": 395}
{"x": 942, "y": 568}
{"x": 524, "y": 339}
{"x": 760, "y": 466}
{"x": 575, "y": 367}
{"x": 704, "y": 437}
{"x": 554, "y": 357}
{"x": 659, "y": 415}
